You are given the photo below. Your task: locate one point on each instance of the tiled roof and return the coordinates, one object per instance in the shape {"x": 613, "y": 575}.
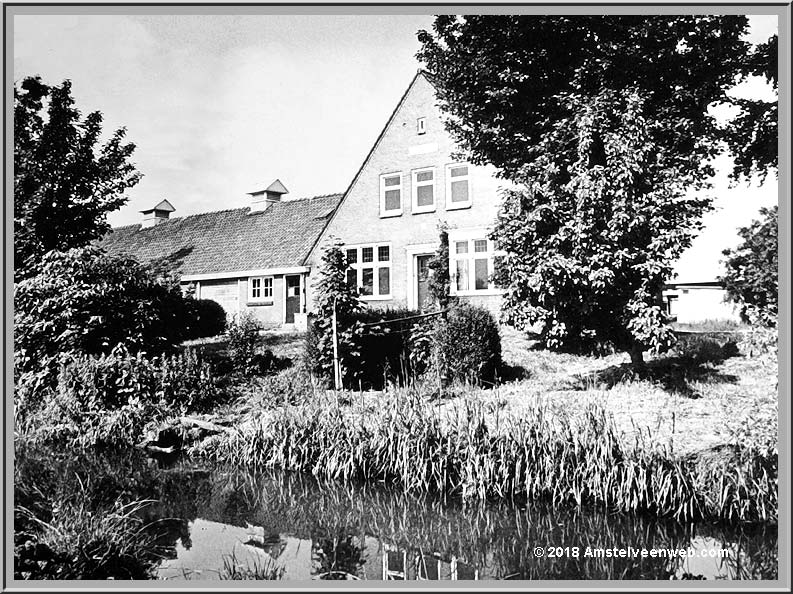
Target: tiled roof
{"x": 229, "y": 240}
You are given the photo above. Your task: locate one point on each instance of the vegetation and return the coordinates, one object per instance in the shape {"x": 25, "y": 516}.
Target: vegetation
{"x": 604, "y": 149}
{"x": 109, "y": 400}
{"x": 332, "y": 293}
{"x": 752, "y": 135}
{"x": 468, "y": 345}
{"x": 536, "y": 456}
{"x": 65, "y": 183}
{"x": 752, "y": 270}
{"x": 85, "y": 301}
{"x": 209, "y": 318}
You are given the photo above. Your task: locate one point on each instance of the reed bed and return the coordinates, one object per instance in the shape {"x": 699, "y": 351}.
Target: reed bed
{"x": 539, "y": 456}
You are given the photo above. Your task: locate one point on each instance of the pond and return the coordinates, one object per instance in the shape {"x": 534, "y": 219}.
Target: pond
{"x": 216, "y": 521}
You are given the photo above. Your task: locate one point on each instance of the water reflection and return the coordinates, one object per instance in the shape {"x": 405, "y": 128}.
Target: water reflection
{"x": 321, "y": 530}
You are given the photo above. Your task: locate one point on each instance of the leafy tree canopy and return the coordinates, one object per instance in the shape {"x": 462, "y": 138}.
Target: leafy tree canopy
{"x": 504, "y": 80}
{"x": 752, "y": 135}
{"x": 65, "y": 181}
{"x": 752, "y": 269}
{"x": 603, "y": 122}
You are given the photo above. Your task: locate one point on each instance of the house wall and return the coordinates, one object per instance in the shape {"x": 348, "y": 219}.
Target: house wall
{"x": 232, "y": 295}
{"x": 401, "y": 149}
{"x": 697, "y": 304}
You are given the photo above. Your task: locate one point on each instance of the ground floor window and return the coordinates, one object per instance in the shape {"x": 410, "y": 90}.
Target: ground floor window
{"x": 369, "y": 269}
{"x": 471, "y": 265}
{"x": 260, "y": 288}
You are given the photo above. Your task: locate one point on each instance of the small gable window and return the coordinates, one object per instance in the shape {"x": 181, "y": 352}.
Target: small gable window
{"x": 260, "y": 288}
{"x": 421, "y": 125}
{"x": 391, "y": 195}
{"x": 458, "y": 186}
{"x": 423, "y": 190}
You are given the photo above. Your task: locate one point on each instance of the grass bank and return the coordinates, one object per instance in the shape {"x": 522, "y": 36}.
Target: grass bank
{"x": 474, "y": 454}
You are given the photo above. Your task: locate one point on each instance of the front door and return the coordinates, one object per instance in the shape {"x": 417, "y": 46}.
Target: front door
{"x": 423, "y": 281}
{"x": 292, "y": 298}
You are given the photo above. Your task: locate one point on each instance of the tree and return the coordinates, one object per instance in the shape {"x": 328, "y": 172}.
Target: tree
{"x": 333, "y": 291}
{"x": 752, "y": 135}
{"x": 64, "y": 182}
{"x": 603, "y": 123}
{"x": 752, "y": 270}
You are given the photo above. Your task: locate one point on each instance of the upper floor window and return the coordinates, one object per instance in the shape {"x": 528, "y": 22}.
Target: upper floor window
{"x": 471, "y": 265}
{"x": 369, "y": 270}
{"x": 423, "y": 190}
{"x": 458, "y": 186}
{"x": 260, "y": 288}
{"x": 421, "y": 125}
{"x": 391, "y": 194}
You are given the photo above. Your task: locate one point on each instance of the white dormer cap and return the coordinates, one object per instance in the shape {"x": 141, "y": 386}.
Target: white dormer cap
{"x": 262, "y": 199}
{"x": 157, "y": 214}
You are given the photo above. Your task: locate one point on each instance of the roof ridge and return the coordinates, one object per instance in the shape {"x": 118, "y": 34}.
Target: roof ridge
{"x": 212, "y": 212}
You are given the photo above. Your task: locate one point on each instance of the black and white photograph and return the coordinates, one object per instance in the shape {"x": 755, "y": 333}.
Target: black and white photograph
{"x": 396, "y": 293}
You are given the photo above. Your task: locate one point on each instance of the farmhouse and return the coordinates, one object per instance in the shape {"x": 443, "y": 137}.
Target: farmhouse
{"x": 262, "y": 259}
{"x": 248, "y": 259}
{"x": 408, "y": 184}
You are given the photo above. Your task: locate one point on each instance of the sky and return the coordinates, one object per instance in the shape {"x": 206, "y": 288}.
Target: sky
{"x": 219, "y": 106}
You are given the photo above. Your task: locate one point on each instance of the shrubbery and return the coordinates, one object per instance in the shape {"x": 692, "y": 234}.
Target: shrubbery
{"x": 108, "y": 399}
{"x": 393, "y": 346}
{"x": 469, "y": 343}
{"x": 85, "y": 301}
{"x": 208, "y": 318}
{"x": 242, "y": 335}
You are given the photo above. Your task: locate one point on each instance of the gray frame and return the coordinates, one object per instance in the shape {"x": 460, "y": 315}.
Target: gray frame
{"x": 781, "y": 9}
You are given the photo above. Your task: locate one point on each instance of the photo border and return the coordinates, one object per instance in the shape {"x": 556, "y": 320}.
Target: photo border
{"x": 781, "y": 9}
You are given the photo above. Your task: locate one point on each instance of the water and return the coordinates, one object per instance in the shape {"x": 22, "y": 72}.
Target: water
{"x": 211, "y": 520}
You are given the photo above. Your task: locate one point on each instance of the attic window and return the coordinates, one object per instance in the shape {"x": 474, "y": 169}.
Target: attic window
{"x": 421, "y": 125}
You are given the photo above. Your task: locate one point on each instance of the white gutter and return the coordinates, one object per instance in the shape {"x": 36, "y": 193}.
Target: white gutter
{"x": 186, "y": 278}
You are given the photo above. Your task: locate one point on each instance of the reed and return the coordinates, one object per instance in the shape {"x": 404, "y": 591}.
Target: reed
{"x": 537, "y": 456}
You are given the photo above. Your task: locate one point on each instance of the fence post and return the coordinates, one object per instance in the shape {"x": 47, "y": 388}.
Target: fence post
{"x": 336, "y": 368}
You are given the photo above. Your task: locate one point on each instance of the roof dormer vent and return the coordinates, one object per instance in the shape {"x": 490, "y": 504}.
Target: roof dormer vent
{"x": 158, "y": 214}
{"x": 262, "y": 199}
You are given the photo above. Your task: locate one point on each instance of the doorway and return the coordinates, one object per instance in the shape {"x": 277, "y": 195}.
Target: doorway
{"x": 292, "y": 305}
{"x": 423, "y": 300}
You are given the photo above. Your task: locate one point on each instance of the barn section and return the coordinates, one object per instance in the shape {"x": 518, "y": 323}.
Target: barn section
{"x": 248, "y": 259}
{"x": 694, "y": 302}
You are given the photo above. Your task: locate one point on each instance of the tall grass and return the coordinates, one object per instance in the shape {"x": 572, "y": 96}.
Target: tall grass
{"x": 473, "y": 456}
{"x": 78, "y": 543}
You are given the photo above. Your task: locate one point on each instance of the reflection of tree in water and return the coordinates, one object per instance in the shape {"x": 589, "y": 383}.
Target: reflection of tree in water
{"x": 338, "y": 557}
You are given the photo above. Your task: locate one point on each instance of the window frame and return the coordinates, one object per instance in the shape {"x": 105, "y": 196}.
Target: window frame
{"x": 384, "y": 213}
{"x": 264, "y": 288}
{"x": 374, "y": 265}
{"x": 414, "y": 186}
{"x": 448, "y": 176}
{"x": 470, "y": 257}
{"x": 421, "y": 126}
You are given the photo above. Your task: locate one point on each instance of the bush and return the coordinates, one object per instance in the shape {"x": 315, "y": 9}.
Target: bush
{"x": 85, "y": 301}
{"x": 109, "y": 399}
{"x": 392, "y": 346}
{"x": 242, "y": 334}
{"x": 208, "y": 319}
{"x": 469, "y": 344}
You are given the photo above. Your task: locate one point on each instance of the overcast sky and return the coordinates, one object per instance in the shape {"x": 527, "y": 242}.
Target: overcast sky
{"x": 222, "y": 105}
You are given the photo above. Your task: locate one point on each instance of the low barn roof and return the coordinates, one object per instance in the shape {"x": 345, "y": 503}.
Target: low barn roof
{"x": 229, "y": 240}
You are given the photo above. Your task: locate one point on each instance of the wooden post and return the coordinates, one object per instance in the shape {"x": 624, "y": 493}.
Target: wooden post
{"x": 336, "y": 368}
